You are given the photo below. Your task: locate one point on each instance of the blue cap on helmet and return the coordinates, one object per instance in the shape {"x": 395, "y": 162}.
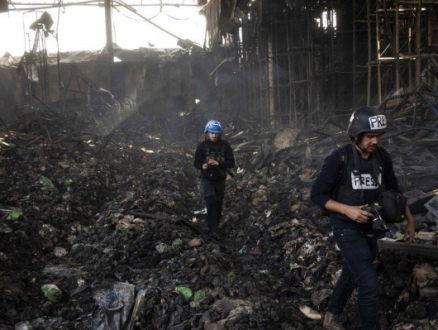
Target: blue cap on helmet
{"x": 213, "y": 126}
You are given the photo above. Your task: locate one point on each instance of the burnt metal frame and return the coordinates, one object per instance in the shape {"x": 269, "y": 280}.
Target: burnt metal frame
{"x": 402, "y": 32}
{"x": 389, "y": 58}
{"x": 277, "y": 69}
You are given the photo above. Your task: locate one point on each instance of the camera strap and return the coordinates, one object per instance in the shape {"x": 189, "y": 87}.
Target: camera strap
{"x": 357, "y": 171}
{"x": 375, "y": 172}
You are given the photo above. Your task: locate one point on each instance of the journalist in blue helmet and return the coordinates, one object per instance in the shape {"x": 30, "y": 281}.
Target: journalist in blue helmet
{"x": 214, "y": 157}
{"x": 349, "y": 187}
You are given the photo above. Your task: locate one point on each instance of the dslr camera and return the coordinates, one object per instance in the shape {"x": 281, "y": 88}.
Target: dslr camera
{"x": 379, "y": 225}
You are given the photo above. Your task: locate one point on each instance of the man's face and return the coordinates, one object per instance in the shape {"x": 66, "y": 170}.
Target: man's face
{"x": 213, "y": 136}
{"x": 370, "y": 142}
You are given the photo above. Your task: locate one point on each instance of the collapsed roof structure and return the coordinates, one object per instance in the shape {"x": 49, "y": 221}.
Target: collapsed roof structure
{"x": 277, "y": 63}
{"x": 283, "y": 76}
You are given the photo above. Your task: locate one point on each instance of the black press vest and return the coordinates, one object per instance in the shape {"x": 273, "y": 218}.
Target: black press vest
{"x": 357, "y": 185}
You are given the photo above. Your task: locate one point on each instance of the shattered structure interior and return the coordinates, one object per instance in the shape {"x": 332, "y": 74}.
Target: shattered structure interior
{"x": 102, "y": 219}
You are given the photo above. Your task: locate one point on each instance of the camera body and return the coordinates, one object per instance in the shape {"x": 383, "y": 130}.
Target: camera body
{"x": 379, "y": 225}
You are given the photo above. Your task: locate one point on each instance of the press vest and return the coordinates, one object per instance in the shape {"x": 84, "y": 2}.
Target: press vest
{"x": 357, "y": 186}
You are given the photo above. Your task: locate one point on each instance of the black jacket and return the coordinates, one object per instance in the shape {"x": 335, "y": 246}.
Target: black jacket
{"x": 220, "y": 151}
{"x": 328, "y": 185}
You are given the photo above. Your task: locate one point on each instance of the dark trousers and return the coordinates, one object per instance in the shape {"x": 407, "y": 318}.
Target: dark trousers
{"x": 214, "y": 193}
{"x": 358, "y": 272}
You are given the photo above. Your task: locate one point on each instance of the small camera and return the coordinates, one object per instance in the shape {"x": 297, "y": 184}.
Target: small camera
{"x": 379, "y": 225}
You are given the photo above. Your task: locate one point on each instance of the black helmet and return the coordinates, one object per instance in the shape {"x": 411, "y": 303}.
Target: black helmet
{"x": 366, "y": 120}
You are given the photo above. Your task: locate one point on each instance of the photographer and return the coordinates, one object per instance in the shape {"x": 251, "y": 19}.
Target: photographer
{"x": 213, "y": 157}
{"x": 349, "y": 193}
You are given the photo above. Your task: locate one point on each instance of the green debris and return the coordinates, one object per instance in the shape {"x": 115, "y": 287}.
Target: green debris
{"x": 185, "y": 291}
{"x": 163, "y": 248}
{"x": 5, "y": 229}
{"x": 68, "y": 183}
{"x": 177, "y": 242}
{"x": 399, "y": 237}
{"x": 15, "y": 215}
{"x": 198, "y": 297}
{"x": 52, "y": 292}
{"x": 46, "y": 182}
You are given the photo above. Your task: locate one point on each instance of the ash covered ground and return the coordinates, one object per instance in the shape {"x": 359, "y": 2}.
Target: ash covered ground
{"x": 92, "y": 214}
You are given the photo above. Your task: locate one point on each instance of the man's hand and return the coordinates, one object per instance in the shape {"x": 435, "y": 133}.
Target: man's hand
{"x": 355, "y": 213}
{"x": 212, "y": 162}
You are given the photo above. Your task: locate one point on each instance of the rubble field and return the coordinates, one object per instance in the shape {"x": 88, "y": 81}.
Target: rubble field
{"x": 115, "y": 227}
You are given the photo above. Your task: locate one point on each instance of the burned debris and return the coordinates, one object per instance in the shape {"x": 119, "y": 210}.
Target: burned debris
{"x": 102, "y": 220}
{"x": 106, "y": 234}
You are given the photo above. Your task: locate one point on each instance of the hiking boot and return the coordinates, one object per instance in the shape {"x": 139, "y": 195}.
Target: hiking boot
{"x": 333, "y": 322}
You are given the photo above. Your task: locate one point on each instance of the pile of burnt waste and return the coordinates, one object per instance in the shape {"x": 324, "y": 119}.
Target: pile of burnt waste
{"x": 110, "y": 234}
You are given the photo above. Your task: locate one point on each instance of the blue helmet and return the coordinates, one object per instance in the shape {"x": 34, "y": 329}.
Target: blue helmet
{"x": 213, "y": 126}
